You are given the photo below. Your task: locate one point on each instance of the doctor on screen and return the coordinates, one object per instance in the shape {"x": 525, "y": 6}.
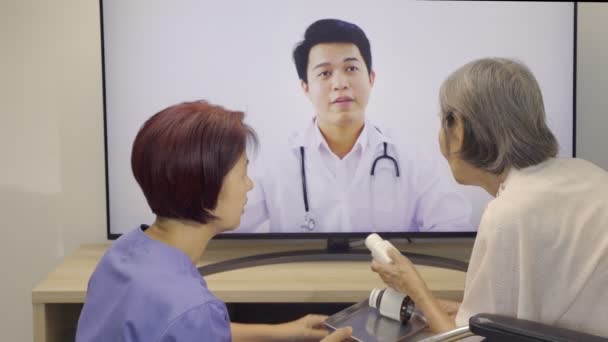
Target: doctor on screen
{"x": 342, "y": 173}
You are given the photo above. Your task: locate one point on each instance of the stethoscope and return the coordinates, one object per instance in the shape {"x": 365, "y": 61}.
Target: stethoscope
{"x": 309, "y": 223}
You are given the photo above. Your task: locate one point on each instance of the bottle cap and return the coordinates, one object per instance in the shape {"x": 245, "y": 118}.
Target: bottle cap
{"x": 373, "y": 297}
{"x": 371, "y": 240}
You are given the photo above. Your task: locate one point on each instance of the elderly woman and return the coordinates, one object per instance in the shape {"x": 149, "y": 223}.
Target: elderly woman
{"x": 541, "y": 251}
{"x": 190, "y": 162}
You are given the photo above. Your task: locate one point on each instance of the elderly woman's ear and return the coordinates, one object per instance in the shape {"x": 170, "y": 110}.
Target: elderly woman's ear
{"x": 453, "y": 134}
{"x": 456, "y": 133}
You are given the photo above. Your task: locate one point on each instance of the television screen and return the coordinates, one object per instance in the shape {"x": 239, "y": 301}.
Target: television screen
{"x": 312, "y": 178}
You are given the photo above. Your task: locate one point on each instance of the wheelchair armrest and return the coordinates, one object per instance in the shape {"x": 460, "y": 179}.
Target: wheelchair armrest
{"x": 503, "y": 328}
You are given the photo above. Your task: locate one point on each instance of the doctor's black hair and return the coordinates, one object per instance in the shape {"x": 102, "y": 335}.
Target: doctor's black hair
{"x": 330, "y": 31}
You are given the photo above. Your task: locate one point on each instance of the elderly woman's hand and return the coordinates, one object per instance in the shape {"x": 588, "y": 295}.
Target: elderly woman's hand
{"x": 400, "y": 274}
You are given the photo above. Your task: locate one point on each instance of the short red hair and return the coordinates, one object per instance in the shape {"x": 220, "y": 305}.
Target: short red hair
{"x": 182, "y": 154}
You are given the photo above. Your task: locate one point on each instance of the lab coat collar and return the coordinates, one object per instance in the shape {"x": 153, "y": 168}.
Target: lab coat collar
{"x": 320, "y": 142}
{"x": 310, "y": 136}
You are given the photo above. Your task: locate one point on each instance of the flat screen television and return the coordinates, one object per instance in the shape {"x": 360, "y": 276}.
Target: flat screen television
{"x": 238, "y": 53}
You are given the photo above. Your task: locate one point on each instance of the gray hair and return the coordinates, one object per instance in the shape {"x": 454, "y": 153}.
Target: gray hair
{"x": 503, "y": 115}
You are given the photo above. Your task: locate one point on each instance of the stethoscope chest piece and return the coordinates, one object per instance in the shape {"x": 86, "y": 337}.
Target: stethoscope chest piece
{"x": 308, "y": 224}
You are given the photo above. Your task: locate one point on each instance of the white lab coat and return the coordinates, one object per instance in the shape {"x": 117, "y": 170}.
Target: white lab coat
{"x": 418, "y": 200}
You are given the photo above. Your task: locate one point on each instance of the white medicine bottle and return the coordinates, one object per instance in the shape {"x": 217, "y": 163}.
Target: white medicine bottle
{"x": 392, "y": 304}
{"x": 379, "y": 248}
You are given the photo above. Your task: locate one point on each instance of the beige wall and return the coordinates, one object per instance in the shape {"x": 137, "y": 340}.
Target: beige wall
{"x": 52, "y": 190}
{"x": 51, "y": 145}
{"x": 592, "y": 83}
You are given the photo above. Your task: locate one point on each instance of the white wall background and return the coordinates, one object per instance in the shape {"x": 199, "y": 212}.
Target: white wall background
{"x": 52, "y": 188}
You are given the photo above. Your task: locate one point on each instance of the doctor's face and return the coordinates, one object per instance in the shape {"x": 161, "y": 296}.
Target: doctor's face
{"x": 339, "y": 84}
{"x": 233, "y": 196}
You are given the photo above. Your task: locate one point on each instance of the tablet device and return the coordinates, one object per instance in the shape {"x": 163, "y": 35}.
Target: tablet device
{"x": 369, "y": 326}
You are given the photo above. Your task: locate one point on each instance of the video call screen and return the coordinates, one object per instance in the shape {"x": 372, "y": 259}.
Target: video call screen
{"x": 238, "y": 54}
